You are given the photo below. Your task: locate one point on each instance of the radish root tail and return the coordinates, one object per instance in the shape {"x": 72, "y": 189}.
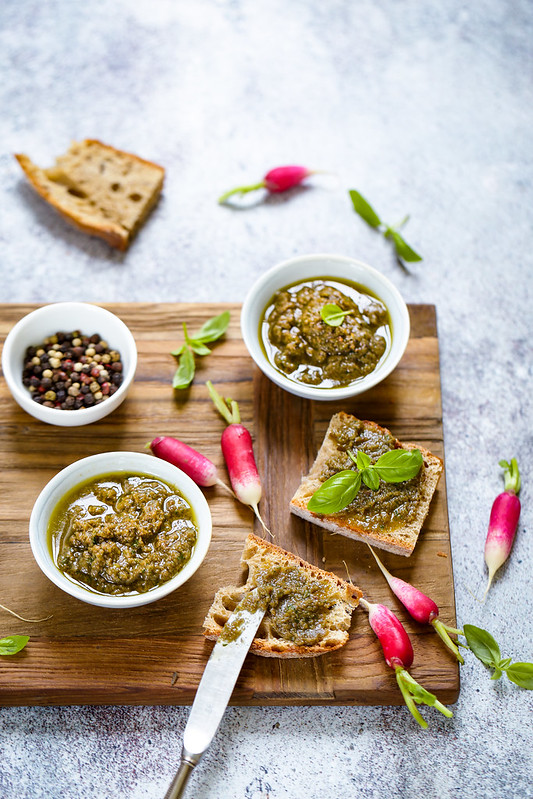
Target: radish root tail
{"x": 263, "y": 525}
{"x": 223, "y": 485}
{"x": 30, "y": 621}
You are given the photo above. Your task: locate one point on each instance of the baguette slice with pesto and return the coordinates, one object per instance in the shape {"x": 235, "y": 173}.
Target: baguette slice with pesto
{"x": 308, "y": 612}
{"x": 389, "y": 518}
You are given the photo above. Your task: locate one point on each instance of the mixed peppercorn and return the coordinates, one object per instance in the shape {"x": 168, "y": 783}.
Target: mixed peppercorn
{"x": 71, "y": 371}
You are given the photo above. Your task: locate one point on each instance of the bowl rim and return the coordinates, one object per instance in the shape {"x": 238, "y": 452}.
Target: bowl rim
{"x": 58, "y": 416}
{"x": 250, "y": 326}
{"x": 99, "y": 464}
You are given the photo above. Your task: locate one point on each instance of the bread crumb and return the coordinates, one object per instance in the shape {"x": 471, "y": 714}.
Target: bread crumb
{"x": 442, "y": 554}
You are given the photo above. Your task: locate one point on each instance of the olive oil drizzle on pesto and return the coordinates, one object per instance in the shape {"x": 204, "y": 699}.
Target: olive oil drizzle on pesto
{"x": 299, "y": 343}
{"x": 122, "y": 534}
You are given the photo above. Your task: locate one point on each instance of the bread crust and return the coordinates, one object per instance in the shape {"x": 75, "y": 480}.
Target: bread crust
{"x": 58, "y": 187}
{"x": 256, "y": 555}
{"x": 400, "y": 541}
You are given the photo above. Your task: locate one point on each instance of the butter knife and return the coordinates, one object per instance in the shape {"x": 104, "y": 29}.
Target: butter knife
{"x": 216, "y": 686}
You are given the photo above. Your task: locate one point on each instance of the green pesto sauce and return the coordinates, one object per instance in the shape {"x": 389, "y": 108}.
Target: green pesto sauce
{"x": 393, "y": 504}
{"x": 296, "y": 605}
{"x": 298, "y": 342}
{"x": 122, "y": 533}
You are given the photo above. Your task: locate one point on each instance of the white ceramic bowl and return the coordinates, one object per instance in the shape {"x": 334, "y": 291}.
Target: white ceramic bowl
{"x": 33, "y": 328}
{"x": 107, "y": 463}
{"x": 306, "y": 267}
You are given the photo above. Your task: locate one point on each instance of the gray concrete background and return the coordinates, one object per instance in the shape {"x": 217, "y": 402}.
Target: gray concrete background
{"x": 425, "y": 108}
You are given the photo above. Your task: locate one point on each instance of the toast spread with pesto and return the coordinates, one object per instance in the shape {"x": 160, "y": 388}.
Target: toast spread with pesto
{"x": 308, "y": 610}
{"x": 390, "y": 516}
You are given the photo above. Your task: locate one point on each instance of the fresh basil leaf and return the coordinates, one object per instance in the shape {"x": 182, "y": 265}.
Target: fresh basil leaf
{"x": 213, "y": 329}
{"x": 364, "y": 209}
{"x": 335, "y": 493}
{"x": 13, "y": 644}
{"x": 363, "y": 460}
{"x": 198, "y": 347}
{"x": 482, "y": 644}
{"x": 370, "y": 477}
{"x": 333, "y": 315}
{"x": 185, "y": 371}
{"x": 398, "y": 465}
{"x": 177, "y": 353}
{"x": 403, "y": 250}
{"x": 521, "y": 674}
{"x": 497, "y": 674}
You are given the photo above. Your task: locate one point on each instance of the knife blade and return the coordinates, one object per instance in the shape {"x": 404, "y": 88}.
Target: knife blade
{"x": 216, "y": 686}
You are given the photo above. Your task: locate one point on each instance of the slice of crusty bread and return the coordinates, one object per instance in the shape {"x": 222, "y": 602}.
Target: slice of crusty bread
{"x": 101, "y": 190}
{"x": 385, "y": 535}
{"x": 263, "y": 560}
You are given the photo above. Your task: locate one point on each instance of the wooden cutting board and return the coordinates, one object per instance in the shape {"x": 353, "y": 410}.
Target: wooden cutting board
{"x": 156, "y": 654}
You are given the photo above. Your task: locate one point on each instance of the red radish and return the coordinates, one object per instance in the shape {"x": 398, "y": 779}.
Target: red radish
{"x": 238, "y": 453}
{"x": 503, "y": 521}
{"x": 279, "y": 179}
{"x": 393, "y": 638}
{"x": 193, "y": 463}
{"x": 421, "y": 607}
{"x": 398, "y": 653}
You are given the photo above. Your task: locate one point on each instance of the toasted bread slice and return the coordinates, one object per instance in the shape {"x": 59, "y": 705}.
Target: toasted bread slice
{"x": 390, "y": 518}
{"x": 101, "y": 190}
{"x": 309, "y": 610}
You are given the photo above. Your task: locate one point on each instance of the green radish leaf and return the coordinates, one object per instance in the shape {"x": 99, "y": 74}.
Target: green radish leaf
{"x": 213, "y": 329}
{"x": 363, "y": 460}
{"x": 511, "y": 475}
{"x": 335, "y": 493}
{"x": 403, "y": 250}
{"x": 482, "y": 644}
{"x": 333, "y": 315}
{"x": 185, "y": 372}
{"x": 398, "y": 465}
{"x": 370, "y": 477}
{"x": 364, "y": 209}
{"x": 521, "y": 674}
{"x": 422, "y": 696}
{"x": 13, "y": 644}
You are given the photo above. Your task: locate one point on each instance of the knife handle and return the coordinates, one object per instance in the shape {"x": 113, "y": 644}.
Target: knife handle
{"x": 181, "y": 779}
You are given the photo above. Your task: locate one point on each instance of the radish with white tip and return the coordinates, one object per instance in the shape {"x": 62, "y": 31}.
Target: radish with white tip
{"x": 421, "y": 607}
{"x": 503, "y": 521}
{"x": 398, "y": 653}
{"x": 238, "y": 452}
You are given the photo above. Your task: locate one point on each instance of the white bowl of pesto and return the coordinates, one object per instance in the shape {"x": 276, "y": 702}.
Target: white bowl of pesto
{"x": 325, "y": 327}
{"x": 120, "y": 529}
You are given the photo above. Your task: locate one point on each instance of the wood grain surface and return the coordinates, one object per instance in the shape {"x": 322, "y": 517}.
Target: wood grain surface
{"x": 156, "y": 654}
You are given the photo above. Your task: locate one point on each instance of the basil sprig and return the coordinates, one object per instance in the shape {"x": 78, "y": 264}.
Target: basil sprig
{"x": 394, "y": 466}
{"x": 333, "y": 314}
{"x": 13, "y": 644}
{"x": 210, "y": 331}
{"x": 486, "y": 649}
{"x": 362, "y": 207}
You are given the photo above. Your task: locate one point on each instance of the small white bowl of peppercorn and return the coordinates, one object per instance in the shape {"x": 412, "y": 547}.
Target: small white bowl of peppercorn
{"x": 325, "y": 327}
{"x": 69, "y": 363}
